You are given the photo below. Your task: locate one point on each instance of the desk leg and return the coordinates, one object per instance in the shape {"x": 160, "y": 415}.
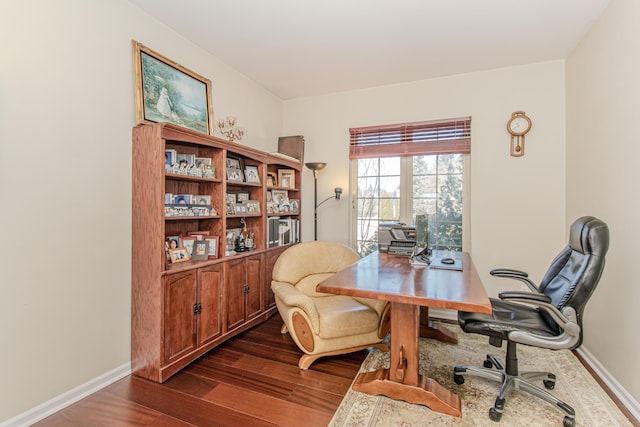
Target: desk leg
{"x": 402, "y": 381}
{"x": 431, "y": 329}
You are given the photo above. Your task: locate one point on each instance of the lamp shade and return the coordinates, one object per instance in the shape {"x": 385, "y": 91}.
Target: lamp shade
{"x": 315, "y": 166}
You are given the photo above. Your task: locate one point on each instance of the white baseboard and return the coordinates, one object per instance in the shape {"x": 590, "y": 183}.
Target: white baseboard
{"x": 65, "y": 399}
{"x": 616, "y": 388}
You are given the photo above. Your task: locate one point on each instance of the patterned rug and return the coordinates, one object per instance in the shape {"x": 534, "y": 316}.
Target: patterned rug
{"x": 574, "y": 385}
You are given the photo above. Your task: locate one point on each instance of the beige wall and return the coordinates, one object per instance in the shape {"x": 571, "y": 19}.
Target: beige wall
{"x": 603, "y": 103}
{"x": 66, "y": 113}
{"x": 517, "y": 204}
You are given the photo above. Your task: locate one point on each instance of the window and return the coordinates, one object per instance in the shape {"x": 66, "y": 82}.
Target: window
{"x": 407, "y": 169}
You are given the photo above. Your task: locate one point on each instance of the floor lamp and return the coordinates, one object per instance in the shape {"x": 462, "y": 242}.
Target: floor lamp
{"x": 315, "y": 167}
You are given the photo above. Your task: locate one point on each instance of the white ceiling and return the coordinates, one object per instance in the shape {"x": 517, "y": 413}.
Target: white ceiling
{"x": 297, "y": 48}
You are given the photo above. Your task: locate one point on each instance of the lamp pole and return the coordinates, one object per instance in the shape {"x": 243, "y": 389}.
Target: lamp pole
{"x": 315, "y": 167}
{"x": 315, "y": 205}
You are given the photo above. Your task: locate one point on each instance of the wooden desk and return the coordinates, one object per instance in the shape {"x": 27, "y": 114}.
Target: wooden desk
{"x": 392, "y": 278}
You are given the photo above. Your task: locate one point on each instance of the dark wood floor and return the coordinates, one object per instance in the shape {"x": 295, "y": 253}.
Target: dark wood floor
{"x": 252, "y": 380}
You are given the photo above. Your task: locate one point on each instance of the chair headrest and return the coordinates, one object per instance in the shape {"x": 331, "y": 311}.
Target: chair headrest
{"x": 589, "y": 235}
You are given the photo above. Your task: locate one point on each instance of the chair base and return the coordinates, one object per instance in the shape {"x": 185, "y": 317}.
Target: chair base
{"x": 510, "y": 380}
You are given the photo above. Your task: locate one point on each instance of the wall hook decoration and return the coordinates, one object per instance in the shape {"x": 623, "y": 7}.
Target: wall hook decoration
{"x": 518, "y": 126}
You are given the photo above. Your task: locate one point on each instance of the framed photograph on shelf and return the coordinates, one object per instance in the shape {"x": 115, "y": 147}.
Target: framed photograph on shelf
{"x": 251, "y": 174}
{"x": 231, "y": 197}
{"x": 182, "y": 199}
{"x": 242, "y": 196}
{"x": 234, "y": 175}
{"x": 179, "y": 255}
{"x": 294, "y": 205}
{"x": 253, "y": 206}
{"x": 241, "y": 208}
{"x": 201, "y": 199}
{"x": 201, "y": 162}
{"x": 170, "y": 157}
{"x": 212, "y": 248}
{"x": 187, "y": 243}
{"x": 198, "y": 235}
{"x": 233, "y": 163}
{"x": 173, "y": 240}
{"x": 272, "y": 180}
{"x": 234, "y": 170}
{"x": 164, "y": 89}
{"x": 200, "y": 250}
{"x": 287, "y": 178}
{"x": 279, "y": 196}
{"x": 185, "y": 161}
{"x": 231, "y": 208}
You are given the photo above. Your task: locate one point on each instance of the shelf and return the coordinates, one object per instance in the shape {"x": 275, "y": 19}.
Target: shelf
{"x": 179, "y": 218}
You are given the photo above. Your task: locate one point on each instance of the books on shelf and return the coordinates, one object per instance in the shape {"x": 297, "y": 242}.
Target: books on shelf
{"x": 282, "y": 231}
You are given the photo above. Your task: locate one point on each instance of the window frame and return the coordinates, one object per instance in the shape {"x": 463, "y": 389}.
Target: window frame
{"x": 396, "y": 141}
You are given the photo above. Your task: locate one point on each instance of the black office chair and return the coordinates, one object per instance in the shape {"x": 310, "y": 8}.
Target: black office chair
{"x": 550, "y": 316}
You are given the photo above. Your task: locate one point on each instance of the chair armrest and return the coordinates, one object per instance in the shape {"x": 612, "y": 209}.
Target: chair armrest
{"x": 566, "y": 319}
{"x": 514, "y": 274}
{"x": 293, "y": 297}
{"x": 507, "y": 272}
{"x": 521, "y": 296}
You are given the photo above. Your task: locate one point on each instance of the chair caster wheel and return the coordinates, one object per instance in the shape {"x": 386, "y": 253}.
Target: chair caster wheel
{"x": 549, "y": 385}
{"x": 458, "y": 379}
{"x": 568, "y": 422}
{"x": 494, "y": 414}
{"x": 487, "y": 364}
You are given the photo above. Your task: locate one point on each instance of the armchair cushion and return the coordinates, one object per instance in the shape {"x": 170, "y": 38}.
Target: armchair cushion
{"x": 342, "y": 316}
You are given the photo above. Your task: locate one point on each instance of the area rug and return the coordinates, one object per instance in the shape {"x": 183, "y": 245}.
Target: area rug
{"x": 574, "y": 385}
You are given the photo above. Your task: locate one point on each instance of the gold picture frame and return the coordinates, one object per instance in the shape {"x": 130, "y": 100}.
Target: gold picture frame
{"x": 287, "y": 178}
{"x": 165, "y": 91}
{"x": 179, "y": 255}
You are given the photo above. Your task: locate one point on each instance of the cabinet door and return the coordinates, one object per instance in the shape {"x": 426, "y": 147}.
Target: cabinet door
{"x": 255, "y": 280}
{"x": 179, "y": 319}
{"x": 209, "y": 297}
{"x": 234, "y": 285}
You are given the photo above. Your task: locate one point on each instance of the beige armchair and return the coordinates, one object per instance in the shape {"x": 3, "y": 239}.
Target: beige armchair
{"x": 324, "y": 324}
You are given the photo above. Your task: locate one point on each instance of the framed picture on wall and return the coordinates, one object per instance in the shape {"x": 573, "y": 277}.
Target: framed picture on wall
{"x": 165, "y": 91}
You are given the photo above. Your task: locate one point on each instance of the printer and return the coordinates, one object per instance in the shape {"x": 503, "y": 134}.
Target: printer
{"x": 396, "y": 238}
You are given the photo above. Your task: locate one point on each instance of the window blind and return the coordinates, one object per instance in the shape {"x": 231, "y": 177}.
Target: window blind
{"x": 408, "y": 139}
